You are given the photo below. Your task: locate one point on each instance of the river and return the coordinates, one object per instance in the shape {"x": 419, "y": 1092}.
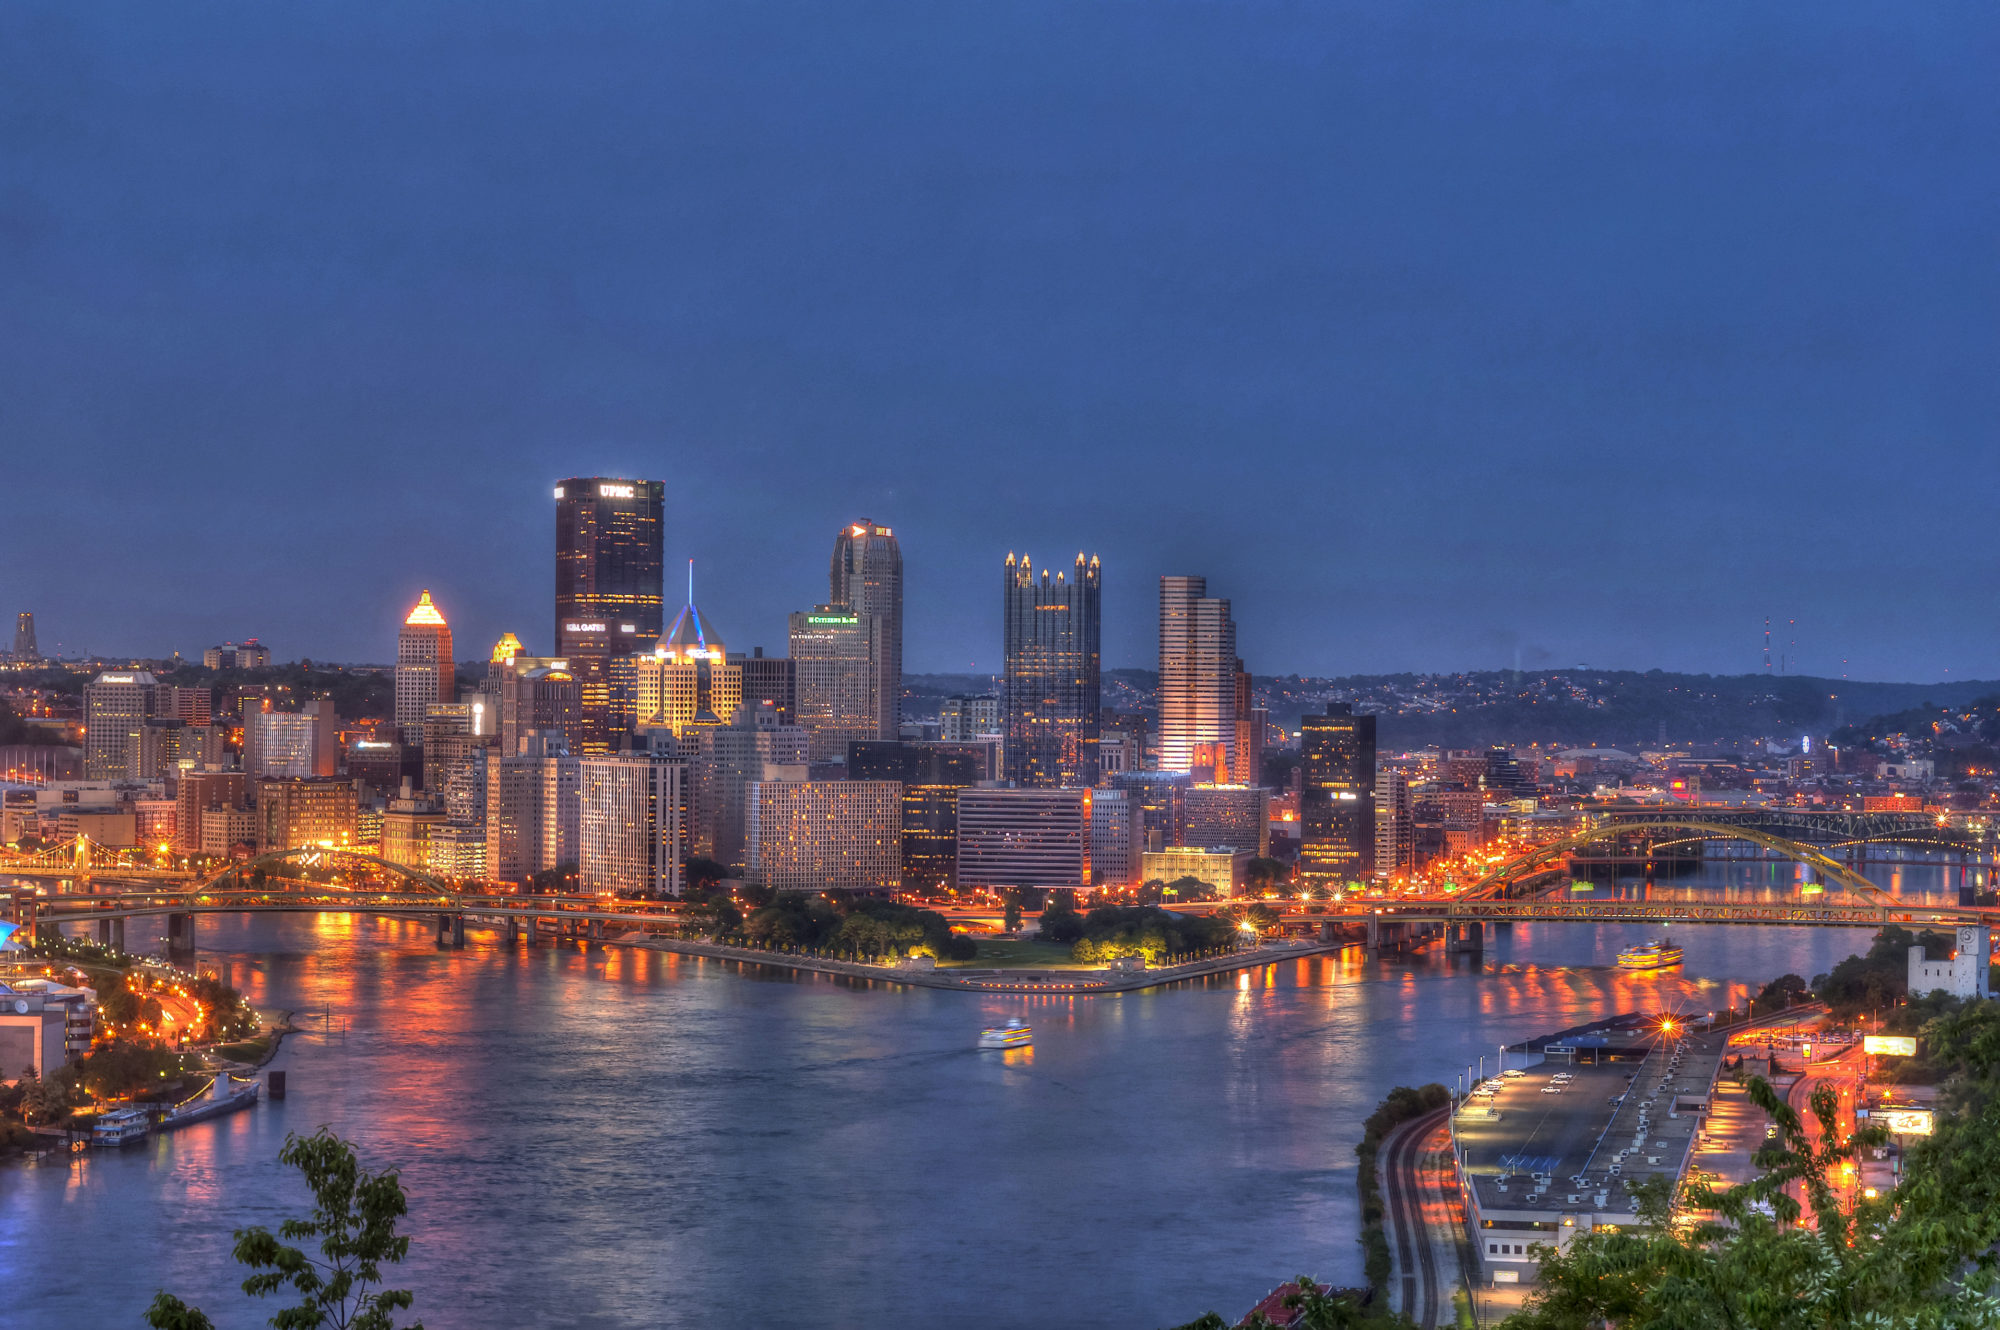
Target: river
{"x": 614, "y": 1138}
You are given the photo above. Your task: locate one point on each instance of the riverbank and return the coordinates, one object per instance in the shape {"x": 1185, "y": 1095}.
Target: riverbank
{"x": 971, "y": 979}
{"x": 255, "y": 1052}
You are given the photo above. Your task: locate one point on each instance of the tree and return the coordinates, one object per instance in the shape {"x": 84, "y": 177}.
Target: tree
{"x": 354, "y": 1220}
{"x": 1013, "y": 923}
{"x": 704, "y": 873}
{"x": 1320, "y": 1308}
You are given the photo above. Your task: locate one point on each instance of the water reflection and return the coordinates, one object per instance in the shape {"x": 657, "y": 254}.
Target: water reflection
{"x": 621, "y": 1139}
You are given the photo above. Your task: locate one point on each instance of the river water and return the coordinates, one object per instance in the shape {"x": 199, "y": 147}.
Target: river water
{"x": 614, "y": 1138}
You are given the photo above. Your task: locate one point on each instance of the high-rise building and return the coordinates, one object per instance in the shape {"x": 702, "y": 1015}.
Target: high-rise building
{"x": 200, "y": 795}
{"x": 833, "y": 663}
{"x": 689, "y": 679}
{"x": 632, "y": 823}
{"x": 931, "y": 777}
{"x": 1050, "y": 700}
{"x": 1198, "y": 669}
{"x": 1238, "y": 816}
{"x": 531, "y": 808}
{"x": 726, "y": 760}
{"x": 610, "y": 593}
{"x": 251, "y": 655}
{"x": 1395, "y": 830}
{"x": 538, "y": 693}
{"x": 818, "y": 835}
{"x": 1336, "y": 797}
{"x": 963, "y": 718}
{"x": 291, "y": 744}
{"x": 1024, "y": 838}
{"x": 425, "y": 672}
{"x": 116, "y": 706}
{"x": 25, "y": 648}
{"x": 867, "y": 577}
{"x": 769, "y": 679}
{"x": 305, "y": 811}
{"x": 1117, "y": 838}
{"x": 1162, "y": 800}
{"x": 1246, "y": 765}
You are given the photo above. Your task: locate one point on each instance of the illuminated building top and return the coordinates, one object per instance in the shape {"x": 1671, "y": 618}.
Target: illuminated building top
{"x": 425, "y": 613}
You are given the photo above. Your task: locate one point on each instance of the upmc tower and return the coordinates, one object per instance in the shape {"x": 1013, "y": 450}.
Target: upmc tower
{"x": 610, "y": 594}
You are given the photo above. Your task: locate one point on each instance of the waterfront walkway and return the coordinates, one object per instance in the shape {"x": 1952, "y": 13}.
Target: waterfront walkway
{"x": 1066, "y": 983}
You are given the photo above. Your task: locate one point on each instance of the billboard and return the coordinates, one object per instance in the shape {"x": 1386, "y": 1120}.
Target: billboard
{"x": 1890, "y": 1045}
{"x": 1905, "y": 1121}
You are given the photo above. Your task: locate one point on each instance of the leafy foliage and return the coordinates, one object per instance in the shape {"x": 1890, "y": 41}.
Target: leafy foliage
{"x": 353, "y": 1224}
{"x": 1111, "y": 931}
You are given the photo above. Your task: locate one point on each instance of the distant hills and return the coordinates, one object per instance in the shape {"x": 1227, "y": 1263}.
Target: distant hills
{"x": 1619, "y": 708}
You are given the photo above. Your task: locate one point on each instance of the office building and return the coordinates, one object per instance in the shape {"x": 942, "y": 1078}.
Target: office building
{"x": 455, "y": 736}
{"x": 189, "y": 706}
{"x": 1117, "y": 838}
{"x": 689, "y": 679}
{"x": 456, "y": 850}
{"x": 1024, "y": 837}
{"x": 1198, "y": 669}
{"x": 632, "y": 823}
{"x": 1222, "y": 867}
{"x": 407, "y": 825}
{"x": 305, "y": 811}
{"x": 867, "y": 577}
{"x": 1395, "y": 828}
{"x": 833, "y": 665}
{"x": 1238, "y": 816}
{"x": 1246, "y": 765}
{"x": 291, "y": 744}
{"x": 610, "y": 595}
{"x": 962, "y": 718}
{"x": 115, "y": 709}
{"x": 202, "y": 795}
{"x": 376, "y": 763}
{"x": 1051, "y": 633}
{"x": 25, "y": 648}
{"x": 1336, "y": 797}
{"x": 1162, "y": 800}
{"x": 535, "y": 694}
{"x": 251, "y": 655}
{"x": 931, "y": 777}
{"x": 505, "y": 650}
{"x": 725, "y": 760}
{"x": 425, "y": 672}
{"x": 768, "y": 679}
{"x": 531, "y": 808}
{"x": 825, "y": 835}
{"x": 44, "y": 1026}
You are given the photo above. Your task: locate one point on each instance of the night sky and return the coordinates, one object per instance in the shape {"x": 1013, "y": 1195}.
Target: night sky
{"x": 1438, "y": 335}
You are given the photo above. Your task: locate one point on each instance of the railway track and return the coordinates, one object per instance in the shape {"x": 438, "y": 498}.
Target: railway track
{"x": 1402, "y": 1185}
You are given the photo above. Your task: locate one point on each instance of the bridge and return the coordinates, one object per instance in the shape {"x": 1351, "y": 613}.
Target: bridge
{"x": 230, "y": 891}
{"x": 83, "y": 857}
{"x": 1820, "y": 826}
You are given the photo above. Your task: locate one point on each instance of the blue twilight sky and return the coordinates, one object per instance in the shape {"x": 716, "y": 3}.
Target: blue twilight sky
{"x": 1438, "y": 335}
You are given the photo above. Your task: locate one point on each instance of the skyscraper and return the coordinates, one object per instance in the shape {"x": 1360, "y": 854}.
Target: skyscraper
{"x": 1197, "y": 675}
{"x": 424, "y": 669}
{"x": 610, "y": 592}
{"x": 632, "y": 823}
{"x": 833, "y": 666}
{"x": 867, "y": 577}
{"x": 1336, "y": 797}
{"x": 930, "y": 776}
{"x": 1050, "y": 700}
{"x": 115, "y": 709}
{"x": 24, "y": 638}
{"x": 688, "y": 679}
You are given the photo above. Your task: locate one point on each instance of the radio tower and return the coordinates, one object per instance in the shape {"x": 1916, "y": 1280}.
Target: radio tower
{"x": 1767, "y": 644}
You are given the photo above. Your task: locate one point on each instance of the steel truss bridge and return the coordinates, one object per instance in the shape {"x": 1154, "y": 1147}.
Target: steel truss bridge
{"x": 1817, "y": 826}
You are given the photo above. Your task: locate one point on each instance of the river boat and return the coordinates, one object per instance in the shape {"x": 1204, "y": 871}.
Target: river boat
{"x": 1578, "y": 884}
{"x": 121, "y": 1126}
{"x": 1812, "y": 889}
{"x": 1015, "y": 1033}
{"x": 1656, "y": 955}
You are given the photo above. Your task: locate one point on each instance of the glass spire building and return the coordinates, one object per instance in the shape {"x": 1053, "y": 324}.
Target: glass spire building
{"x": 1049, "y": 700}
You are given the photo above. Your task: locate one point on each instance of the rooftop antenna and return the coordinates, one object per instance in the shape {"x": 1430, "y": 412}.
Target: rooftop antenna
{"x": 690, "y": 581}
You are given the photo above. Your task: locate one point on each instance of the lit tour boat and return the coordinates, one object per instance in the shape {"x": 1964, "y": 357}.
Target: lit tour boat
{"x": 1578, "y": 884}
{"x": 1014, "y": 1034}
{"x": 121, "y": 1126}
{"x": 1658, "y": 955}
